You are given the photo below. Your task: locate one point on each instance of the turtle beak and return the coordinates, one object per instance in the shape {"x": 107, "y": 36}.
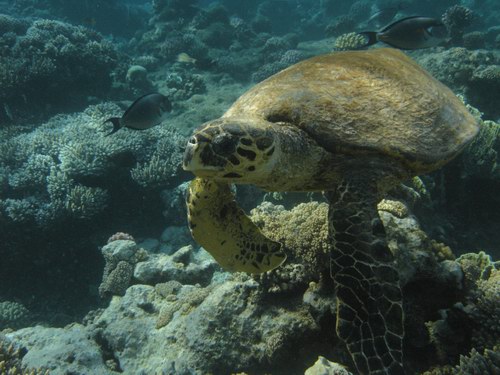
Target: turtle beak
{"x": 189, "y": 154}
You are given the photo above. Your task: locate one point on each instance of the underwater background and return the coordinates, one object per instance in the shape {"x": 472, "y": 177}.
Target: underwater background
{"x": 98, "y": 270}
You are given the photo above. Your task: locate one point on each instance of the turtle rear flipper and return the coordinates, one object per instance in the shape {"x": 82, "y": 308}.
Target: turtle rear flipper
{"x": 369, "y": 298}
{"x": 225, "y": 231}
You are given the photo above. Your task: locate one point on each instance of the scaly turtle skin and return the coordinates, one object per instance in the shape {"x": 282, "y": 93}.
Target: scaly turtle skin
{"x": 352, "y": 124}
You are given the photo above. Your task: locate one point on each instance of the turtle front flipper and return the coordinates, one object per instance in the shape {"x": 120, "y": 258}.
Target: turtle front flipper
{"x": 369, "y": 299}
{"x": 225, "y": 231}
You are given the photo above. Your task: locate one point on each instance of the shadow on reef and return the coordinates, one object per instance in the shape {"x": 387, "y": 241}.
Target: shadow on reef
{"x": 55, "y": 271}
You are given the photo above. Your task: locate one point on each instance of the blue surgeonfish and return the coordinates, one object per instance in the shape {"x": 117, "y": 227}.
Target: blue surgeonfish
{"x": 409, "y": 33}
{"x": 145, "y": 112}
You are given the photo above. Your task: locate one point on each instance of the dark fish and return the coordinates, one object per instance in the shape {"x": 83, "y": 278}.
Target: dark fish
{"x": 384, "y": 16}
{"x": 409, "y": 33}
{"x": 147, "y": 111}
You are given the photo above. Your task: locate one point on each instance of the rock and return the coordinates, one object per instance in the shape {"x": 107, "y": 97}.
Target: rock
{"x": 120, "y": 250}
{"x": 173, "y": 238}
{"x": 150, "y": 244}
{"x": 136, "y": 73}
{"x": 186, "y": 265}
{"x": 202, "y": 330}
{"x": 61, "y": 350}
{"x": 121, "y": 257}
{"x": 324, "y": 367}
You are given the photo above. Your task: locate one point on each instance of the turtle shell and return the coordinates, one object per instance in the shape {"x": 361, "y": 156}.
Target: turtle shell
{"x": 377, "y": 101}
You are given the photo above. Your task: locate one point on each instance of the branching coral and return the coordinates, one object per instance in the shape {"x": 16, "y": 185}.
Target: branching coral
{"x": 86, "y": 202}
{"x": 61, "y": 169}
{"x": 56, "y": 61}
{"x": 486, "y": 312}
{"x": 164, "y": 163}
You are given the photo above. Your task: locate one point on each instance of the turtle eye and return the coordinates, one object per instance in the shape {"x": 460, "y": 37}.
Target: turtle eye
{"x": 224, "y": 144}
{"x": 192, "y": 140}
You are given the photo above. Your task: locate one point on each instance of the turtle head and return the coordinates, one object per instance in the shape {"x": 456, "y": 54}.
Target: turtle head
{"x": 231, "y": 149}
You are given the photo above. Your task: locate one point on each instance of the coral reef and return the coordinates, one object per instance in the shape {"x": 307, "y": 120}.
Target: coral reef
{"x": 60, "y": 170}
{"x": 58, "y": 350}
{"x": 65, "y": 186}
{"x": 456, "y": 19}
{"x": 108, "y": 17}
{"x": 482, "y": 303}
{"x": 308, "y": 251}
{"x": 185, "y": 265}
{"x": 472, "y": 323}
{"x": 181, "y": 85}
{"x": 233, "y": 318}
{"x": 349, "y": 41}
{"x": 121, "y": 256}
{"x": 470, "y": 73}
{"x": 9, "y": 24}
{"x": 474, "y": 40}
{"x": 13, "y": 315}
{"x": 481, "y": 158}
{"x": 11, "y": 360}
{"x": 340, "y": 25}
{"x": 57, "y": 61}
{"x": 288, "y": 58}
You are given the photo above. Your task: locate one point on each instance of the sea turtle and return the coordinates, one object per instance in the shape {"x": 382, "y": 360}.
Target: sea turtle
{"x": 352, "y": 124}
